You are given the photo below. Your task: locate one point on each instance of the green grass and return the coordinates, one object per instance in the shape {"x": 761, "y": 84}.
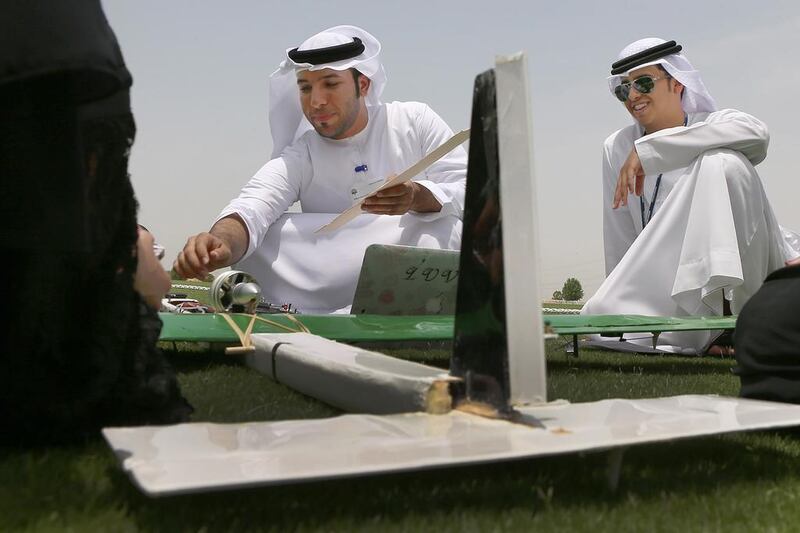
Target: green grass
{"x": 192, "y": 288}
{"x": 562, "y": 305}
{"x": 745, "y": 482}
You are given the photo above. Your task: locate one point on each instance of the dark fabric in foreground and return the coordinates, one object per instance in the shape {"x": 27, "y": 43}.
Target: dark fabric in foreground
{"x": 54, "y": 56}
{"x": 68, "y": 41}
{"x": 77, "y": 346}
{"x": 767, "y": 339}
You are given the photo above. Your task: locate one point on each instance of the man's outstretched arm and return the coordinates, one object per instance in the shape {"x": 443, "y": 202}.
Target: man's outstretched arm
{"x": 224, "y": 244}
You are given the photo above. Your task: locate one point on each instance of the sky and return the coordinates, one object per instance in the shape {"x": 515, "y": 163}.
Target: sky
{"x": 200, "y": 97}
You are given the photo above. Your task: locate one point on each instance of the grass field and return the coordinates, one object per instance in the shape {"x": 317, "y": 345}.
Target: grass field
{"x": 745, "y": 482}
{"x": 199, "y": 290}
{"x": 561, "y": 304}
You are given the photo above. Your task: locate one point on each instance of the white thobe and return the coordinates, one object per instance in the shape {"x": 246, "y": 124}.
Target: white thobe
{"x": 318, "y": 274}
{"x": 712, "y": 230}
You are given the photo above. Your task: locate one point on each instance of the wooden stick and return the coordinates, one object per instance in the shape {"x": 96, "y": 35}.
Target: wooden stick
{"x": 239, "y": 350}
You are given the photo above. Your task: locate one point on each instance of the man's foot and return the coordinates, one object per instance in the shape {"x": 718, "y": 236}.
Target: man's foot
{"x": 722, "y": 345}
{"x": 721, "y": 350}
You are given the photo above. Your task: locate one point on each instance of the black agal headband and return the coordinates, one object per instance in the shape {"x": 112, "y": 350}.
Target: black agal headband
{"x": 329, "y": 54}
{"x": 645, "y": 56}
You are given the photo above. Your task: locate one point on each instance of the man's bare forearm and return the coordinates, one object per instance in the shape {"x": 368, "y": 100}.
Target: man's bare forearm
{"x": 424, "y": 200}
{"x": 233, "y": 232}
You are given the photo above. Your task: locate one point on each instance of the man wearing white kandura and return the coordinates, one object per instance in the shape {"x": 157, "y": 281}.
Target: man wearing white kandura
{"x": 687, "y": 226}
{"x": 334, "y": 144}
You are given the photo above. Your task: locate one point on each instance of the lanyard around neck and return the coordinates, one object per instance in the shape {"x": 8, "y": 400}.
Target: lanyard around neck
{"x": 655, "y": 192}
{"x": 652, "y": 203}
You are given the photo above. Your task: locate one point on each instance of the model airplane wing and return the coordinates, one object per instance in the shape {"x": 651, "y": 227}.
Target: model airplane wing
{"x": 201, "y": 457}
{"x": 211, "y": 327}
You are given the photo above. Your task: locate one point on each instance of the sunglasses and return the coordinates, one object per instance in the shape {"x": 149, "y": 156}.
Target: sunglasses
{"x": 642, "y": 84}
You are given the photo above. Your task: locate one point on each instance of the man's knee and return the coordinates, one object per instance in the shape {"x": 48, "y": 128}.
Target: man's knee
{"x": 731, "y": 162}
{"x": 743, "y": 183}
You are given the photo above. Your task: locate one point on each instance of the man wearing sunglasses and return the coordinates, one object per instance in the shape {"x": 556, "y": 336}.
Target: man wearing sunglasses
{"x": 687, "y": 226}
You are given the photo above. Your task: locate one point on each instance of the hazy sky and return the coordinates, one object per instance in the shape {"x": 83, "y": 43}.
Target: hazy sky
{"x": 201, "y": 68}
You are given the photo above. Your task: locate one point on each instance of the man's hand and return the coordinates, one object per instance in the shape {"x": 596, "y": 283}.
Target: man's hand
{"x": 631, "y": 180}
{"x": 400, "y": 199}
{"x": 202, "y": 253}
{"x": 395, "y": 200}
{"x": 793, "y": 262}
{"x": 222, "y": 246}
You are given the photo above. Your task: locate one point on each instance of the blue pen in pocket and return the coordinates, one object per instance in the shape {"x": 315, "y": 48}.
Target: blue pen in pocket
{"x": 364, "y": 184}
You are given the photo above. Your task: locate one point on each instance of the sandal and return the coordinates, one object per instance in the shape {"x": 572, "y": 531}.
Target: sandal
{"x": 722, "y": 345}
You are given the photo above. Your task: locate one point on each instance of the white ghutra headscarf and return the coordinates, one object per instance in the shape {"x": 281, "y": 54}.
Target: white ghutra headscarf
{"x": 286, "y": 120}
{"x": 696, "y": 97}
